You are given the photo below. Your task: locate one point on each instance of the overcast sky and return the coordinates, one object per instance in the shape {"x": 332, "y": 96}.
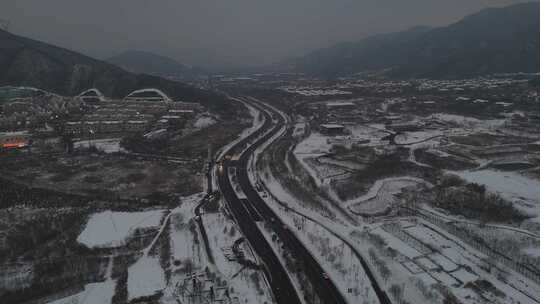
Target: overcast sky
{"x": 223, "y": 32}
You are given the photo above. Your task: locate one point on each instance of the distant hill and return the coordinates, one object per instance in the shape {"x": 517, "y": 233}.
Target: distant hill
{"x": 149, "y": 63}
{"x": 495, "y": 40}
{"x": 26, "y": 62}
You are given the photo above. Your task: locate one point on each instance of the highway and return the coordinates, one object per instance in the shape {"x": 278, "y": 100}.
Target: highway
{"x": 247, "y": 216}
{"x": 311, "y": 263}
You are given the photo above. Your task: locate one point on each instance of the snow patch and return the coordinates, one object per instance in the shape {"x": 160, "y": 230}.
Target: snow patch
{"x": 109, "y": 145}
{"x": 204, "y": 122}
{"x": 95, "y": 293}
{"x": 524, "y": 191}
{"x": 145, "y": 278}
{"x": 111, "y": 229}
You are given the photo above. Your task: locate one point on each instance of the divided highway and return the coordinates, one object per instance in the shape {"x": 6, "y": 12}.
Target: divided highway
{"x": 332, "y": 291}
{"x": 248, "y": 212}
{"x": 282, "y": 287}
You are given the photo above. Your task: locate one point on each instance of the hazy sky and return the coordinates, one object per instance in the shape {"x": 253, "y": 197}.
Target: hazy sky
{"x": 209, "y": 32}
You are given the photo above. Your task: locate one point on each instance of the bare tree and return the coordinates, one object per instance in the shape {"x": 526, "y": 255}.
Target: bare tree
{"x": 397, "y": 292}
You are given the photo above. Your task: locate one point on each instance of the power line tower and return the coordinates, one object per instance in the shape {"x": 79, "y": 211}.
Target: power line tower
{"x": 199, "y": 289}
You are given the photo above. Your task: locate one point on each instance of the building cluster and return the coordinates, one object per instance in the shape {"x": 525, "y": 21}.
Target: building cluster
{"x": 34, "y": 112}
{"x": 17, "y": 140}
{"x": 42, "y": 120}
{"x": 315, "y": 91}
{"x": 132, "y": 116}
{"x": 480, "y": 83}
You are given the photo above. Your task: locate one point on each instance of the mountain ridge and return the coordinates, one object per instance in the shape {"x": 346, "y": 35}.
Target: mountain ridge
{"x": 27, "y": 62}
{"x": 494, "y": 40}
{"x": 154, "y": 64}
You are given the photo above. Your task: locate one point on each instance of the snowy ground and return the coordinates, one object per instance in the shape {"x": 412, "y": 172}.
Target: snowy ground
{"x": 336, "y": 257}
{"x": 382, "y": 195}
{"x": 112, "y": 229}
{"x": 324, "y": 171}
{"x": 185, "y": 241}
{"x": 249, "y": 285}
{"x": 109, "y": 145}
{"x": 470, "y": 122}
{"x": 523, "y": 191}
{"x": 433, "y": 256}
{"x": 315, "y": 144}
{"x": 204, "y": 122}
{"x": 425, "y": 254}
{"x": 94, "y": 293}
{"x": 310, "y": 148}
{"x": 190, "y": 257}
{"x": 452, "y": 263}
{"x": 310, "y": 151}
{"x": 533, "y": 252}
{"x": 409, "y": 138}
{"x": 372, "y": 132}
{"x": 145, "y": 278}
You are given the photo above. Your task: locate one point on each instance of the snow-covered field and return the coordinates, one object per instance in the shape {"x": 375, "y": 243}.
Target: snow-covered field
{"x": 222, "y": 233}
{"x": 183, "y": 235}
{"x": 428, "y": 255}
{"x": 249, "y": 285}
{"x": 95, "y": 293}
{"x": 204, "y": 122}
{"x": 324, "y": 170}
{"x": 533, "y": 252}
{"x": 109, "y": 145}
{"x": 387, "y": 186}
{"x": 469, "y": 122}
{"x": 313, "y": 146}
{"x": 520, "y": 244}
{"x": 382, "y": 195}
{"x": 189, "y": 255}
{"x": 145, "y": 278}
{"x": 337, "y": 258}
{"x": 310, "y": 150}
{"x": 452, "y": 256}
{"x": 522, "y": 190}
{"x": 372, "y": 132}
{"x": 112, "y": 229}
{"x": 409, "y": 138}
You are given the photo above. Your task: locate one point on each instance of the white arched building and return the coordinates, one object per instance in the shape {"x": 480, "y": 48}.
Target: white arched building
{"x": 159, "y": 96}
{"x": 92, "y": 94}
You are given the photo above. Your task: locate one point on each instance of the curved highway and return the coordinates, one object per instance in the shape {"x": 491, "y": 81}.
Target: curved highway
{"x": 281, "y": 285}
{"x": 254, "y": 209}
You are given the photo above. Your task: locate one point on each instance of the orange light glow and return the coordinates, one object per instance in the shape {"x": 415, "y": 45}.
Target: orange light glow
{"x": 14, "y": 145}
